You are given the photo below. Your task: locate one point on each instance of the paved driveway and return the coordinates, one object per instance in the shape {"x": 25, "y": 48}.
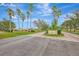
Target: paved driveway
{"x": 37, "y": 46}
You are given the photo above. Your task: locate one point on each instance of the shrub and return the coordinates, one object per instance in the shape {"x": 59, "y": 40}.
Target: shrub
{"x": 32, "y": 30}
{"x": 59, "y": 31}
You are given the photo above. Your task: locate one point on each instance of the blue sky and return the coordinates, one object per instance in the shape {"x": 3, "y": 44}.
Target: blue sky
{"x": 40, "y": 11}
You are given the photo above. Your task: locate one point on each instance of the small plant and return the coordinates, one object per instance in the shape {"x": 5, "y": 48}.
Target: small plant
{"x": 59, "y": 31}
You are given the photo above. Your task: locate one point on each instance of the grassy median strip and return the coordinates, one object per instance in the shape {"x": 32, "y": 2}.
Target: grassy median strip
{"x": 13, "y": 34}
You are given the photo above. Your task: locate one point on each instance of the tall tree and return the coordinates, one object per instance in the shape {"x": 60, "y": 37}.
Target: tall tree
{"x": 42, "y": 25}
{"x": 56, "y": 14}
{"x": 4, "y": 25}
{"x": 28, "y": 15}
{"x": 30, "y": 12}
{"x": 77, "y": 19}
{"x": 22, "y": 18}
{"x": 10, "y": 12}
{"x": 72, "y": 23}
{"x": 18, "y": 11}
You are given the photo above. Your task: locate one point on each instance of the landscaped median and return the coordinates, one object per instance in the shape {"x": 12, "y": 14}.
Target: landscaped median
{"x": 54, "y": 33}
{"x": 14, "y": 34}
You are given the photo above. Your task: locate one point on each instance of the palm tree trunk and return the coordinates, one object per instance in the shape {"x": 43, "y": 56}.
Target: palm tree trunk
{"x": 28, "y": 20}
{"x": 10, "y": 25}
{"x": 22, "y": 25}
{"x": 30, "y": 23}
{"x": 19, "y": 24}
{"x": 74, "y": 30}
{"x": 27, "y": 25}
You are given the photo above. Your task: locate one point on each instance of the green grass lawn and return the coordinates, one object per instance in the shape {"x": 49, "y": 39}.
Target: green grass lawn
{"x": 13, "y": 34}
{"x": 76, "y": 32}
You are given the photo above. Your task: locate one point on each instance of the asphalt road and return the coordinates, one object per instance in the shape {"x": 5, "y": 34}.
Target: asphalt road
{"x": 37, "y": 46}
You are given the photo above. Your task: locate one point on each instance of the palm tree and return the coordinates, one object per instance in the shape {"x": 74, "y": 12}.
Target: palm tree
{"x": 28, "y": 14}
{"x": 10, "y": 13}
{"x": 30, "y": 11}
{"x": 18, "y": 11}
{"x": 56, "y": 14}
{"x": 22, "y": 18}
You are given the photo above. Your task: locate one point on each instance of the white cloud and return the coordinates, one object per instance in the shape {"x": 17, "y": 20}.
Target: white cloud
{"x": 2, "y": 4}
{"x": 8, "y": 5}
{"x": 71, "y": 5}
{"x": 45, "y": 10}
{"x": 45, "y": 14}
{"x": 14, "y": 17}
{"x": 12, "y": 5}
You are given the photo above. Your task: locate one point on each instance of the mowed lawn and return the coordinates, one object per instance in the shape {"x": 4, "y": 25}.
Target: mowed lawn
{"x": 13, "y": 34}
{"x": 76, "y": 32}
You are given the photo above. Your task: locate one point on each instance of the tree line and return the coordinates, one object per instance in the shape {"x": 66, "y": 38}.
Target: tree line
{"x": 4, "y": 25}
{"x": 72, "y": 22}
{"x": 21, "y": 16}
{"x": 39, "y": 23}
